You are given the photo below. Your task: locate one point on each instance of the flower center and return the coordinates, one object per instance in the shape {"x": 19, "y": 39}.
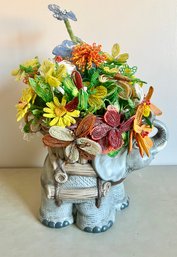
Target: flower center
{"x": 60, "y": 111}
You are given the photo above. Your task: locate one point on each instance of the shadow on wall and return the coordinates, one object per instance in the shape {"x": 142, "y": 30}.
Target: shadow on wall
{"x": 19, "y": 34}
{"x": 22, "y": 187}
{"x": 21, "y": 40}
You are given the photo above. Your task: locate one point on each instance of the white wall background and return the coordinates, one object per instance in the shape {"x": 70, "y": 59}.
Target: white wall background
{"x": 146, "y": 29}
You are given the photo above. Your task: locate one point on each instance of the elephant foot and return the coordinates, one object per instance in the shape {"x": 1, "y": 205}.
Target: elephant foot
{"x": 123, "y": 204}
{"x": 52, "y": 224}
{"x": 56, "y": 217}
{"x": 95, "y": 220}
{"x": 97, "y": 229}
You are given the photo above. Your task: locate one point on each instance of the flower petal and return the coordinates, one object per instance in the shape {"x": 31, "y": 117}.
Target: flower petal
{"x": 146, "y": 111}
{"x": 56, "y": 101}
{"x": 65, "y": 49}
{"x": 146, "y": 128}
{"x": 85, "y": 126}
{"x": 126, "y": 90}
{"x": 21, "y": 113}
{"x": 72, "y": 153}
{"x": 100, "y": 131}
{"x": 106, "y": 147}
{"x": 54, "y": 121}
{"x": 53, "y": 82}
{"x": 48, "y": 140}
{"x": 139, "y": 114}
{"x": 71, "y": 15}
{"x": 100, "y": 92}
{"x": 155, "y": 110}
{"x": 51, "y": 105}
{"x": 115, "y": 50}
{"x": 138, "y": 129}
{"x": 48, "y": 110}
{"x": 123, "y": 57}
{"x": 141, "y": 150}
{"x": 144, "y": 147}
{"x": 63, "y": 101}
{"x": 149, "y": 94}
{"x": 115, "y": 138}
{"x": 47, "y": 68}
{"x": 77, "y": 79}
{"x": 112, "y": 117}
{"x": 130, "y": 147}
{"x": 127, "y": 125}
{"x": 144, "y": 144}
{"x": 60, "y": 133}
{"x": 61, "y": 123}
{"x": 72, "y": 105}
{"x": 49, "y": 115}
{"x": 75, "y": 113}
{"x": 89, "y": 146}
{"x": 85, "y": 155}
{"x": 95, "y": 102}
{"x": 68, "y": 120}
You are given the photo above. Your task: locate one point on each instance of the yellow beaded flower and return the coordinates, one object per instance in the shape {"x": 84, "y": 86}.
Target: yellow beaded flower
{"x": 59, "y": 114}
{"x": 31, "y": 66}
{"x": 53, "y": 75}
{"x": 97, "y": 94}
{"x": 24, "y": 102}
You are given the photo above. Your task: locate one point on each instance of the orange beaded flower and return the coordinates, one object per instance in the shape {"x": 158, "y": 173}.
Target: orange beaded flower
{"x": 85, "y": 55}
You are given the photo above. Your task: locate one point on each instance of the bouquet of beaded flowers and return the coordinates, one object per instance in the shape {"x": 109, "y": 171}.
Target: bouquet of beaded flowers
{"x": 85, "y": 100}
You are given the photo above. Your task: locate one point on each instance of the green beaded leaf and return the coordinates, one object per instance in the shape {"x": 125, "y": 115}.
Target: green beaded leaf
{"x": 113, "y": 153}
{"x": 42, "y": 89}
{"x": 69, "y": 87}
{"x": 28, "y": 69}
{"x": 94, "y": 78}
{"x": 26, "y": 128}
{"x": 148, "y": 121}
{"x": 131, "y": 103}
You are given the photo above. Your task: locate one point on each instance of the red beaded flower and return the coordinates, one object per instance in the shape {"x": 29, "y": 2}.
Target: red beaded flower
{"x": 108, "y": 131}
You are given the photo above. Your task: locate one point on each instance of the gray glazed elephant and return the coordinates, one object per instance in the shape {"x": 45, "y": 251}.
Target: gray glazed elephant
{"x": 90, "y": 194}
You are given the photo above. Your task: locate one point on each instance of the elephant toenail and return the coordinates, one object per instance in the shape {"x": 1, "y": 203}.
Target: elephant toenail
{"x": 96, "y": 230}
{"x": 110, "y": 223}
{"x": 88, "y": 229}
{"x": 65, "y": 223}
{"x": 124, "y": 205}
{"x": 45, "y": 222}
{"x": 104, "y": 228}
{"x": 58, "y": 225}
{"x": 51, "y": 224}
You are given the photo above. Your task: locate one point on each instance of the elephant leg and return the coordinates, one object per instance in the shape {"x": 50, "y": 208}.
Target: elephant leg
{"x": 95, "y": 220}
{"x": 120, "y": 197}
{"x": 54, "y": 216}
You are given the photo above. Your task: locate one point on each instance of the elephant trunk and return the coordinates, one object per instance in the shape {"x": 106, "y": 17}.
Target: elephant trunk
{"x": 160, "y": 138}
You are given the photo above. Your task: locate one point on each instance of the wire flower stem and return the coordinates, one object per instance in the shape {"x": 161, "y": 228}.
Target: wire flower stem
{"x": 70, "y": 31}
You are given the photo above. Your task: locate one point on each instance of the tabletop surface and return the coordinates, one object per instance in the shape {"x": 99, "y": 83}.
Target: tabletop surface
{"x": 148, "y": 228}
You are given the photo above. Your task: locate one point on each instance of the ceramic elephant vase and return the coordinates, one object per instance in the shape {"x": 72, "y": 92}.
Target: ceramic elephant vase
{"x": 89, "y": 194}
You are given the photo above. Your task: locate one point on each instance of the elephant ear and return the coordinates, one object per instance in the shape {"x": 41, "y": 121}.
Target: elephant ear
{"x": 111, "y": 168}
